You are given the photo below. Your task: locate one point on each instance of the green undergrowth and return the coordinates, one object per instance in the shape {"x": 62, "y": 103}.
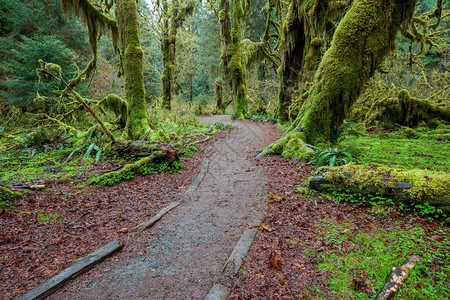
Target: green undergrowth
{"x": 19, "y": 166}
{"x": 383, "y": 205}
{"x": 407, "y": 148}
{"x": 47, "y": 154}
{"x": 358, "y": 261}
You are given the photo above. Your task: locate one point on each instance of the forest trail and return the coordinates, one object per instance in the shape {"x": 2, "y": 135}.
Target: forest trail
{"x": 182, "y": 256}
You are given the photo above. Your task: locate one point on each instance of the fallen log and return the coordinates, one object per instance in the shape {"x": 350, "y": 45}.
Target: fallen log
{"x": 412, "y": 187}
{"x": 7, "y": 194}
{"x": 145, "y": 148}
{"x": 396, "y": 278}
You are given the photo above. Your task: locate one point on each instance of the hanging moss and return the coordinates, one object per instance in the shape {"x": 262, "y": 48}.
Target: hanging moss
{"x": 132, "y": 55}
{"x": 118, "y": 106}
{"x": 98, "y": 23}
{"x": 302, "y": 46}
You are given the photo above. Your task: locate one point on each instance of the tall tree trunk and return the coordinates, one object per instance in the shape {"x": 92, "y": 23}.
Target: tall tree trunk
{"x": 173, "y": 18}
{"x": 168, "y": 52}
{"x": 293, "y": 45}
{"x": 363, "y": 38}
{"x": 191, "y": 87}
{"x": 132, "y": 54}
{"x": 219, "y": 96}
{"x": 232, "y": 56}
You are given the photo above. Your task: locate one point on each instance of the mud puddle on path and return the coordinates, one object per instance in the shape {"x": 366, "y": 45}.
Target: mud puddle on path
{"x": 182, "y": 256}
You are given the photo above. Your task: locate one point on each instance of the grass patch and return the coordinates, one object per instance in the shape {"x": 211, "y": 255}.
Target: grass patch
{"x": 52, "y": 218}
{"x": 359, "y": 262}
{"x": 395, "y": 150}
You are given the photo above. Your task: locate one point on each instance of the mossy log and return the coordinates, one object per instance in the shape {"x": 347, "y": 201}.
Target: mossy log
{"x": 150, "y": 152}
{"x": 406, "y": 186}
{"x": 160, "y": 151}
{"x": 7, "y": 194}
{"x": 408, "y": 111}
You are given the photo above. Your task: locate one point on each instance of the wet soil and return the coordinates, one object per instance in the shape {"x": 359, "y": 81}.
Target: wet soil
{"x": 183, "y": 254}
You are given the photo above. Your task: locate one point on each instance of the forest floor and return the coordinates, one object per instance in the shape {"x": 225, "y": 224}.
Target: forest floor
{"x": 301, "y": 247}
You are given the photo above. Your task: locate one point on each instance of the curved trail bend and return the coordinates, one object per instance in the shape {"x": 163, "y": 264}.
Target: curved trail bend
{"x": 182, "y": 256}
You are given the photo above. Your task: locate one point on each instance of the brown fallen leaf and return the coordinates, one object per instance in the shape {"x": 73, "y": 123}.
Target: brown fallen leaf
{"x": 274, "y": 261}
{"x": 263, "y": 226}
{"x": 124, "y": 230}
{"x": 300, "y": 266}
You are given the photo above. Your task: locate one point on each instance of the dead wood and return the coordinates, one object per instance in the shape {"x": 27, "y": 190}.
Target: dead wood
{"x": 396, "y": 278}
{"x": 145, "y": 148}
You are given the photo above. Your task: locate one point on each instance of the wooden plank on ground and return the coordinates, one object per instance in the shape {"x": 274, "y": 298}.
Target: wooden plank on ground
{"x": 51, "y": 285}
{"x": 156, "y": 218}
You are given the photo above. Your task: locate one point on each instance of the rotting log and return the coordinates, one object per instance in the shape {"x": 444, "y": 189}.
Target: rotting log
{"x": 146, "y": 148}
{"x": 150, "y": 152}
{"x": 405, "y": 186}
{"x": 397, "y": 277}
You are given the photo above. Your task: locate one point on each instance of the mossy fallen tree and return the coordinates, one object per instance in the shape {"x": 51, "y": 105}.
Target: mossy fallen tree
{"x": 8, "y": 195}
{"x": 146, "y": 148}
{"x": 150, "y": 152}
{"x": 404, "y": 186}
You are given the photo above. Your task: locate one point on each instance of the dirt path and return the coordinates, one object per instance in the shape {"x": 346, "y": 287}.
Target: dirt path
{"x": 182, "y": 256}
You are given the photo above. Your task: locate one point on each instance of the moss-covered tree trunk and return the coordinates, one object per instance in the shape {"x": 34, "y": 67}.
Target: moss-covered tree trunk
{"x": 232, "y": 55}
{"x": 363, "y": 38}
{"x": 173, "y": 18}
{"x": 306, "y": 24}
{"x": 131, "y": 55}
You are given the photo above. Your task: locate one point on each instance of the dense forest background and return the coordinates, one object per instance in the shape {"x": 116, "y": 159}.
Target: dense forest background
{"x": 33, "y": 30}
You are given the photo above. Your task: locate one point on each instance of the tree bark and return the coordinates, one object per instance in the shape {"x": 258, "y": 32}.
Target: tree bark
{"x": 173, "y": 18}
{"x": 131, "y": 57}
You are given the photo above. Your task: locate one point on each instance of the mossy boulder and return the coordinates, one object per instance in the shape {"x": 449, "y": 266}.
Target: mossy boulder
{"x": 407, "y": 186}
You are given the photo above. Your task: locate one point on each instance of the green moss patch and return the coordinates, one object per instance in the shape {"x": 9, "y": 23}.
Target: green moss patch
{"x": 409, "y": 149}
